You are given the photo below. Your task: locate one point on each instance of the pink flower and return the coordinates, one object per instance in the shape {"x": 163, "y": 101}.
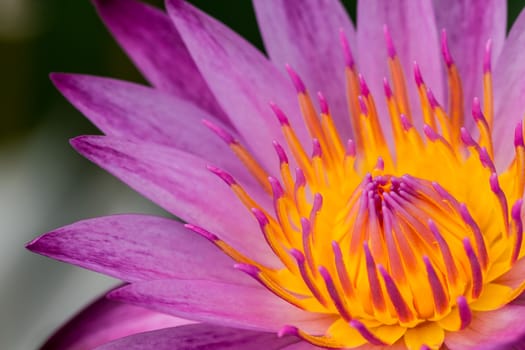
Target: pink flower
{"x": 388, "y": 218}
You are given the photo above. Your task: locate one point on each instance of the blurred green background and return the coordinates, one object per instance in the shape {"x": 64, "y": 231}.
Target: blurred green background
{"x": 43, "y": 183}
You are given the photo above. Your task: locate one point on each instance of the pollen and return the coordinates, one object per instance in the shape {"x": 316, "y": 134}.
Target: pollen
{"x": 395, "y": 240}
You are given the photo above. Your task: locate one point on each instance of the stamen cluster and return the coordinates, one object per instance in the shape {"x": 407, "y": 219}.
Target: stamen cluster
{"x": 388, "y": 238}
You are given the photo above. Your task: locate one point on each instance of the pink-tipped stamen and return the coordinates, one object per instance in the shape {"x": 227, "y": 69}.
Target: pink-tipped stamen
{"x": 288, "y": 330}
{"x": 445, "y": 50}
{"x": 249, "y": 269}
{"x": 475, "y": 269}
{"x": 261, "y": 218}
{"x": 518, "y": 223}
{"x": 296, "y": 80}
{"x": 223, "y": 134}
{"x": 467, "y": 139}
{"x": 405, "y": 122}
{"x": 389, "y": 43}
{"x": 277, "y": 189}
{"x": 204, "y": 233}
{"x": 417, "y": 75}
{"x": 323, "y": 104}
{"x": 446, "y": 254}
{"x": 518, "y": 135}
{"x": 223, "y": 175}
{"x": 487, "y": 59}
{"x": 404, "y": 313}
{"x": 363, "y": 87}
{"x": 306, "y": 276}
{"x": 478, "y": 236}
{"x": 281, "y": 117}
{"x": 281, "y": 154}
{"x": 375, "y": 287}
{"x": 496, "y": 189}
{"x": 438, "y": 290}
{"x": 334, "y": 294}
{"x": 347, "y": 52}
{"x": 362, "y": 105}
{"x": 476, "y": 111}
{"x": 351, "y": 150}
{"x": 316, "y": 148}
{"x": 316, "y": 208}
{"x": 465, "y": 313}
{"x": 341, "y": 268}
{"x": 430, "y": 133}
{"x": 365, "y": 333}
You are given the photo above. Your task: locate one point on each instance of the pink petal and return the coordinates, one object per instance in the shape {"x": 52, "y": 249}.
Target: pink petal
{"x": 469, "y": 24}
{"x": 199, "y": 337}
{"x": 301, "y": 346}
{"x": 413, "y": 30}
{"x": 137, "y": 247}
{"x": 307, "y": 38}
{"x": 180, "y": 183}
{"x": 514, "y": 277}
{"x": 150, "y": 40}
{"x": 106, "y": 320}
{"x": 136, "y": 112}
{"x": 239, "y": 306}
{"x": 491, "y": 330}
{"x": 509, "y": 89}
{"x": 242, "y": 79}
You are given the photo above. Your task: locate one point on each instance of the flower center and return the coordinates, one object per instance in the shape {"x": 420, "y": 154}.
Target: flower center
{"x": 391, "y": 239}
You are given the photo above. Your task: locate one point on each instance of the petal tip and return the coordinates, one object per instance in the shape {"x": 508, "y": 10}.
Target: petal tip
{"x": 35, "y": 245}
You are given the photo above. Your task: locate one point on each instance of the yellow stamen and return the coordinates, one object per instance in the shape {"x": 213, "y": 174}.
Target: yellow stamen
{"x": 393, "y": 245}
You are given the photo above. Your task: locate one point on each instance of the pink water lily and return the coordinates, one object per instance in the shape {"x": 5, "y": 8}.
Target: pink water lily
{"x": 386, "y": 215}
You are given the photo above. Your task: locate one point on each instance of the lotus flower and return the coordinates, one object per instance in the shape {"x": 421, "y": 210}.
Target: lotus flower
{"x": 386, "y": 215}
